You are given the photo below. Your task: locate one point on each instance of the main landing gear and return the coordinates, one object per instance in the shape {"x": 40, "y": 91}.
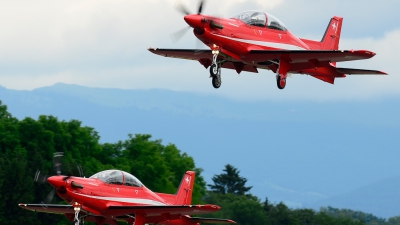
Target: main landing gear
{"x": 280, "y": 81}
{"x": 215, "y": 69}
{"x": 281, "y": 74}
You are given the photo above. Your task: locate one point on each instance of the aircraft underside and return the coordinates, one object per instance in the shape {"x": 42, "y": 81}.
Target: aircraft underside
{"x": 316, "y": 63}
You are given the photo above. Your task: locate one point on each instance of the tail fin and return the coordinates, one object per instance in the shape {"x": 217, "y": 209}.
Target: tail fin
{"x": 331, "y": 38}
{"x": 184, "y": 194}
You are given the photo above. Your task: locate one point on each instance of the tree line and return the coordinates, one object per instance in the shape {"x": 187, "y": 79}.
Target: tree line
{"x": 28, "y": 145}
{"x": 231, "y": 193}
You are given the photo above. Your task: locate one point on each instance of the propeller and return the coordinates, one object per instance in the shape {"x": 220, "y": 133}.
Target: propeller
{"x": 181, "y": 8}
{"x": 179, "y": 34}
{"x": 200, "y": 7}
{"x": 176, "y": 36}
{"x": 57, "y": 162}
{"x": 41, "y": 178}
{"x": 49, "y": 197}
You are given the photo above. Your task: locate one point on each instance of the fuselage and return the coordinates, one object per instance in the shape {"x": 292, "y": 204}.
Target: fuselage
{"x": 237, "y": 36}
{"x": 97, "y": 194}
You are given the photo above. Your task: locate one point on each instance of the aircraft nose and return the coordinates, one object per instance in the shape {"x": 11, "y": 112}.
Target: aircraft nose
{"x": 194, "y": 20}
{"x": 56, "y": 181}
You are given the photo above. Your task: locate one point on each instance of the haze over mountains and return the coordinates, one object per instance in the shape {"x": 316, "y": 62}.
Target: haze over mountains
{"x": 305, "y": 153}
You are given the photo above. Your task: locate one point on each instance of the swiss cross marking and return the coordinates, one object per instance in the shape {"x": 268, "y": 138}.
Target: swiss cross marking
{"x": 187, "y": 180}
{"x": 334, "y": 26}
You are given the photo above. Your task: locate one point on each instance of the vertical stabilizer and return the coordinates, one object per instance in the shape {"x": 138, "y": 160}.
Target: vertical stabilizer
{"x": 185, "y": 190}
{"x": 331, "y": 38}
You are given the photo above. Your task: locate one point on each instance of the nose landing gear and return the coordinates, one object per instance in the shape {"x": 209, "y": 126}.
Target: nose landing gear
{"x": 215, "y": 69}
{"x": 215, "y": 73}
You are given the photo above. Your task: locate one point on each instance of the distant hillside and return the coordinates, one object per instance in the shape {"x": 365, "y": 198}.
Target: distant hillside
{"x": 380, "y": 198}
{"x": 296, "y": 152}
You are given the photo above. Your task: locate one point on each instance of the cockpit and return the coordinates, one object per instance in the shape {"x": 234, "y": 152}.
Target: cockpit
{"x": 118, "y": 177}
{"x": 260, "y": 19}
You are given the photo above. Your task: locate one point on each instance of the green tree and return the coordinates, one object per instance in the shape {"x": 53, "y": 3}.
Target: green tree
{"x": 280, "y": 214}
{"x": 229, "y": 182}
{"x": 244, "y": 209}
{"x": 394, "y": 220}
{"x": 353, "y": 215}
{"x": 303, "y": 216}
{"x": 159, "y": 167}
{"x": 3, "y": 111}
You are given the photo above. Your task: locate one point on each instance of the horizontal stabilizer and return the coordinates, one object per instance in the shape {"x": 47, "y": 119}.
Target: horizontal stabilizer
{"x": 298, "y": 56}
{"x": 359, "y": 71}
{"x": 163, "y": 209}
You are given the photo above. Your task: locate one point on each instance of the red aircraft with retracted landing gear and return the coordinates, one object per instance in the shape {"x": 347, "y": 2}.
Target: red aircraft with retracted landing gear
{"x": 113, "y": 195}
{"x": 254, "y": 40}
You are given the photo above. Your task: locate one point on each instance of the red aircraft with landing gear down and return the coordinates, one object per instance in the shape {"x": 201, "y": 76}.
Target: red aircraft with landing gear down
{"x": 255, "y": 40}
{"x": 113, "y": 195}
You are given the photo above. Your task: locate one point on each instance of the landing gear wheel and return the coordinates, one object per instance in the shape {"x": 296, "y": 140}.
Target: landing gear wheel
{"x": 214, "y": 70}
{"x": 281, "y": 83}
{"x": 216, "y": 81}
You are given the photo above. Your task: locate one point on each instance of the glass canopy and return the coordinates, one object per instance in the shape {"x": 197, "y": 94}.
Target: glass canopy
{"x": 117, "y": 177}
{"x": 260, "y": 19}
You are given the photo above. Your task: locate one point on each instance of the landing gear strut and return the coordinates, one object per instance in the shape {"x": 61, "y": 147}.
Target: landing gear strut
{"x": 136, "y": 220}
{"x": 77, "y": 209}
{"x": 215, "y": 69}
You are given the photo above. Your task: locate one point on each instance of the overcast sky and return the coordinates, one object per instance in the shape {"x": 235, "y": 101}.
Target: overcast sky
{"x": 100, "y": 43}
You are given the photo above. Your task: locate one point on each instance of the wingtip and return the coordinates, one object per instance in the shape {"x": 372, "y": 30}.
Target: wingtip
{"x": 367, "y": 53}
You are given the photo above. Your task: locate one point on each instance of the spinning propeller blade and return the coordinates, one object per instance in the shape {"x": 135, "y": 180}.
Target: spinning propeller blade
{"x": 179, "y": 34}
{"x": 181, "y": 8}
{"x": 200, "y": 7}
{"x": 40, "y": 177}
{"x": 49, "y": 197}
{"x": 57, "y": 161}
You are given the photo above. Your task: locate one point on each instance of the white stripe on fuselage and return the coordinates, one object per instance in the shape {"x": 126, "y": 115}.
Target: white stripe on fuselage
{"x": 235, "y": 25}
{"x": 264, "y": 43}
{"x": 125, "y": 200}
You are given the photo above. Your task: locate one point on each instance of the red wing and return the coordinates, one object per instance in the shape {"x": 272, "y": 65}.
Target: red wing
{"x": 191, "y": 54}
{"x": 204, "y": 57}
{"x": 57, "y": 209}
{"x": 300, "y": 56}
{"x": 160, "y": 210}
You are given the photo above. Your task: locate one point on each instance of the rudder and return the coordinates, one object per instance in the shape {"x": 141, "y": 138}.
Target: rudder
{"x": 331, "y": 38}
{"x": 185, "y": 190}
